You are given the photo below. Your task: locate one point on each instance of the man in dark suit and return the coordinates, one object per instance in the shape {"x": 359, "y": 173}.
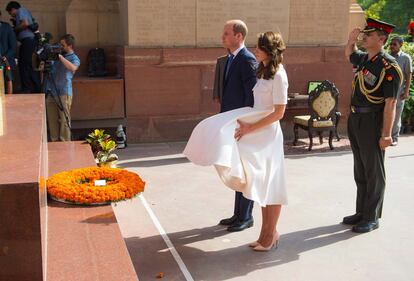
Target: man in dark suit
{"x": 219, "y": 78}
{"x": 8, "y": 46}
{"x": 235, "y": 78}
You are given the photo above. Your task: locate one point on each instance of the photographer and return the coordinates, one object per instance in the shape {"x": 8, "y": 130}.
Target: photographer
{"x": 8, "y": 46}
{"x": 59, "y": 101}
{"x": 22, "y": 21}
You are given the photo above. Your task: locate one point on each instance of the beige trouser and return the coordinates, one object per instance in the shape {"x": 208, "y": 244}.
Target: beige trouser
{"x": 56, "y": 120}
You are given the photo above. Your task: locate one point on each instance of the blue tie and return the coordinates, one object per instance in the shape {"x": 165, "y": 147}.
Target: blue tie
{"x": 229, "y": 61}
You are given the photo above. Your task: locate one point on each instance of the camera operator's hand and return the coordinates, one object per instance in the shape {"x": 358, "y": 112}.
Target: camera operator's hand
{"x": 24, "y": 24}
{"x": 70, "y": 66}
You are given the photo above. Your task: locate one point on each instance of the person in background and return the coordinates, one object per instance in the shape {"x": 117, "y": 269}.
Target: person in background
{"x": 8, "y": 46}
{"x": 59, "y": 91}
{"x": 405, "y": 63}
{"x": 22, "y": 20}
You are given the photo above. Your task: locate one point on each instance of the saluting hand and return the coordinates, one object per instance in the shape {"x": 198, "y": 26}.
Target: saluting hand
{"x": 353, "y": 35}
{"x": 244, "y": 128}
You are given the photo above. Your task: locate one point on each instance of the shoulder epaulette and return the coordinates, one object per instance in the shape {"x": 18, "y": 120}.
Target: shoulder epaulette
{"x": 398, "y": 70}
{"x": 385, "y": 63}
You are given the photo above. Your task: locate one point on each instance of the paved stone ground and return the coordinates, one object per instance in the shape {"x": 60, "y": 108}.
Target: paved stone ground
{"x": 303, "y": 145}
{"x": 187, "y": 201}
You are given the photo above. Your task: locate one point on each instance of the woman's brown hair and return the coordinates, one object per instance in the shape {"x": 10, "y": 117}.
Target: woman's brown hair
{"x": 272, "y": 44}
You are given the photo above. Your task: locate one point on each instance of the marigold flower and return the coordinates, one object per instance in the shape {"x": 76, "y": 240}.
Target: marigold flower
{"x": 77, "y": 185}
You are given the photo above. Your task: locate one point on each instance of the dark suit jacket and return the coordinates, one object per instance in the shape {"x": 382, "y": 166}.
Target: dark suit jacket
{"x": 236, "y": 90}
{"x": 8, "y": 43}
{"x": 219, "y": 78}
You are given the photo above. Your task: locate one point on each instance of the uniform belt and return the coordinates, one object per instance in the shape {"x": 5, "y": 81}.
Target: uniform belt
{"x": 357, "y": 109}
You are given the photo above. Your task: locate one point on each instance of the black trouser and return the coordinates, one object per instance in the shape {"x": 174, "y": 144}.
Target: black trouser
{"x": 243, "y": 207}
{"x": 364, "y": 131}
{"x": 30, "y": 79}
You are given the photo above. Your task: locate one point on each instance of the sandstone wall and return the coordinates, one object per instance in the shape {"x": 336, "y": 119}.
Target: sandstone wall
{"x": 189, "y": 23}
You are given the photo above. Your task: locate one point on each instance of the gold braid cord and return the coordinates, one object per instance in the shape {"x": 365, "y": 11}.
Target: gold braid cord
{"x": 359, "y": 78}
{"x": 367, "y": 93}
{"x": 399, "y": 71}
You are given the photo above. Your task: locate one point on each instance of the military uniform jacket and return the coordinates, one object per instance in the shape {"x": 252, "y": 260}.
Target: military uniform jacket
{"x": 375, "y": 80}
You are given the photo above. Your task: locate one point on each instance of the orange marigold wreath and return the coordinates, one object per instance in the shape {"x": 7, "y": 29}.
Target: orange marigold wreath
{"x": 78, "y": 185}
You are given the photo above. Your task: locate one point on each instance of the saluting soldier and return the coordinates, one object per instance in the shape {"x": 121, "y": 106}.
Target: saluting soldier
{"x": 375, "y": 88}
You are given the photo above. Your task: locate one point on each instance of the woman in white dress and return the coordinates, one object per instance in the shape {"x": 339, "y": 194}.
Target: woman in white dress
{"x": 246, "y": 145}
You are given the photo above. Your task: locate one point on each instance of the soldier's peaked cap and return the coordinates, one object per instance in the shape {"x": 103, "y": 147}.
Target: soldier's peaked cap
{"x": 373, "y": 24}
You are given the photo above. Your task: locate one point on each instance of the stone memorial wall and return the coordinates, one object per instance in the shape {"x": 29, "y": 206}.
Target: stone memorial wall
{"x": 199, "y": 23}
{"x": 188, "y": 23}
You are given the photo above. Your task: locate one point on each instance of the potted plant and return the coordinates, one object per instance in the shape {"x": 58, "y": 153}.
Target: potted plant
{"x": 105, "y": 156}
{"x": 103, "y": 147}
{"x": 95, "y": 138}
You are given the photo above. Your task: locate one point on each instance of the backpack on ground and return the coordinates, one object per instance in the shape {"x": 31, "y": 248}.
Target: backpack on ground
{"x": 96, "y": 62}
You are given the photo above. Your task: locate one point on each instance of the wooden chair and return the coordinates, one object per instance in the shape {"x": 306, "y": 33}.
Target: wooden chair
{"x": 323, "y": 104}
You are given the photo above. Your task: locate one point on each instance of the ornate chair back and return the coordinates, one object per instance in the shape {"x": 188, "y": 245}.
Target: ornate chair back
{"x": 323, "y": 104}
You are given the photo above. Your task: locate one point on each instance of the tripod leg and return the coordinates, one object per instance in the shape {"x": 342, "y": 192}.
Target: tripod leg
{"x": 52, "y": 113}
{"x": 64, "y": 118}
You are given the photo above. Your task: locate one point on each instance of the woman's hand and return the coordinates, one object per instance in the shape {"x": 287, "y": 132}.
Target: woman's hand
{"x": 244, "y": 128}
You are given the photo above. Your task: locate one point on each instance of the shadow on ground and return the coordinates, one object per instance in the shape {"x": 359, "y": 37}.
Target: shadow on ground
{"x": 208, "y": 265}
{"x": 153, "y": 163}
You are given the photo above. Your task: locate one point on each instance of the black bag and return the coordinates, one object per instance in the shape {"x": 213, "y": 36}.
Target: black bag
{"x": 96, "y": 62}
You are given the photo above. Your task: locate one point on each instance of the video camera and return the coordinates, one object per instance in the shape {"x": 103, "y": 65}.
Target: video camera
{"x": 45, "y": 52}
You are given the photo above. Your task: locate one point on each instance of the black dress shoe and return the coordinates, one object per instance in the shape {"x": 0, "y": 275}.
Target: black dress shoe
{"x": 365, "y": 226}
{"x": 354, "y": 219}
{"x": 229, "y": 221}
{"x": 240, "y": 225}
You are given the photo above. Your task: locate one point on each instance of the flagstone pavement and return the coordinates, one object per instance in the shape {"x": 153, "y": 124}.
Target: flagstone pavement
{"x": 171, "y": 230}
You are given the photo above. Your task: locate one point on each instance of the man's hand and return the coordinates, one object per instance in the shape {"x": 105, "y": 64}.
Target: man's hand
{"x": 352, "y": 39}
{"x": 353, "y": 35}
{"x": 404, "y": 96}
{"x": 384, "y": 142}
{"x": 70, "y": 66}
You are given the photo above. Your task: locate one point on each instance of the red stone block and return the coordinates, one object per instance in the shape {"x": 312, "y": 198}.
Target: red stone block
{"x": 152, "y": 91}
{"x": 97, "y": 98}
{"x": 22, "y": 188}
